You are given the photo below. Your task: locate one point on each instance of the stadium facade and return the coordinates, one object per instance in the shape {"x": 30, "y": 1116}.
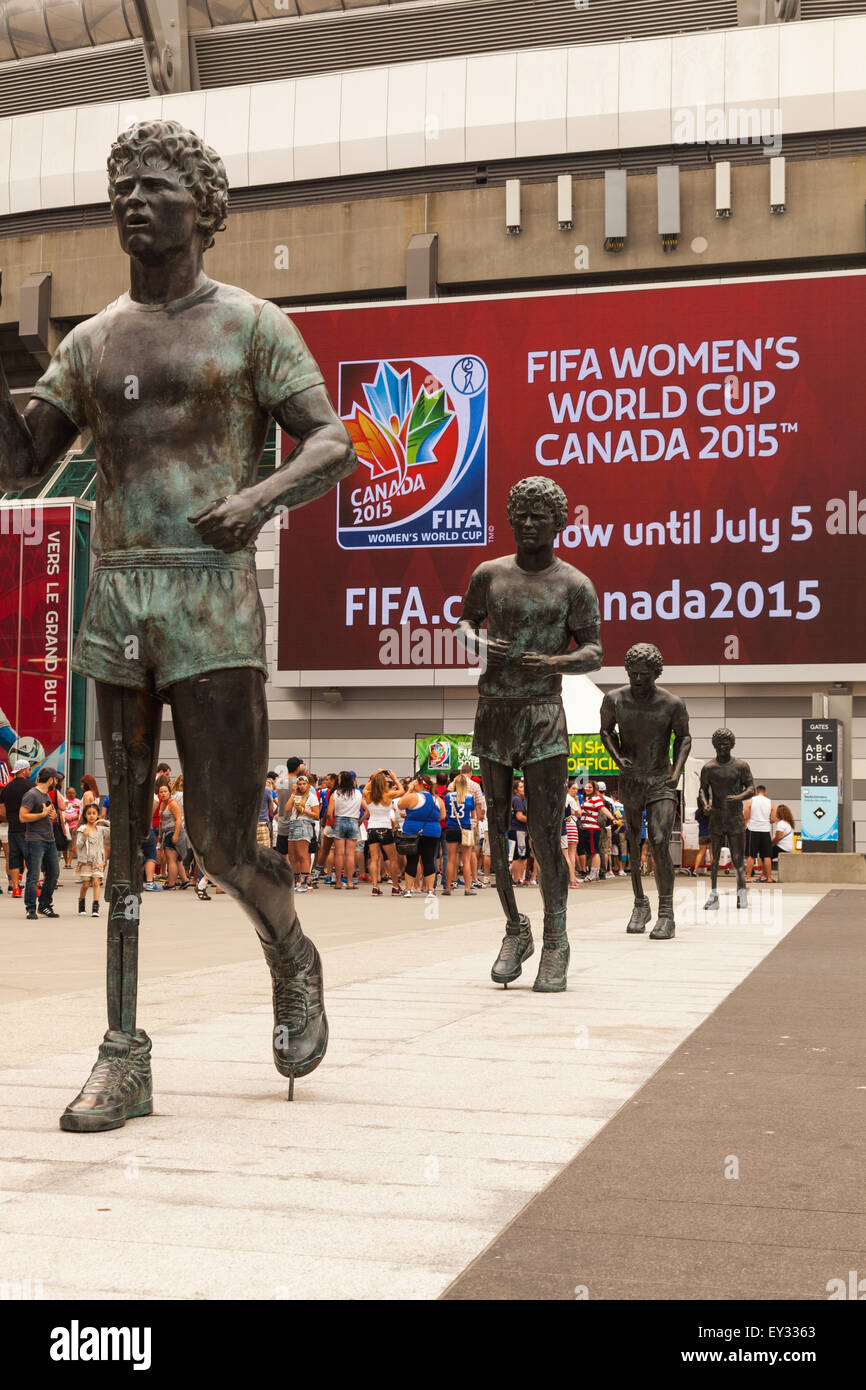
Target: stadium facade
{"x": 413, "y": 153}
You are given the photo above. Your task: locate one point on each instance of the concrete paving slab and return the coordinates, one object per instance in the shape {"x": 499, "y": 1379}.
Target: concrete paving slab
{"x": 733, "y": 1172}
{"x": 444, "y": 1105}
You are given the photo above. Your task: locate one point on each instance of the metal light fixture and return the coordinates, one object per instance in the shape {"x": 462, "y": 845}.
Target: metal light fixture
{"x": 512, "y": 207}
{"x": 668, "y": 184}
{"x": 615, "y": 210}
{"x": 564, "y": 203}
{"x": 723, "y": 188}
{"x": 778, "y": 202}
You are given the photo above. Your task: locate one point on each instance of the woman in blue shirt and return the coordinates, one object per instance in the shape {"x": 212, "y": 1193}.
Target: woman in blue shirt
{"x": 459, "y": 822}
{"x": 422, "y": 811}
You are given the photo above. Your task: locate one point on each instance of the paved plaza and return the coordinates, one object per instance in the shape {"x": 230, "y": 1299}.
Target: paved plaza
{"x": 457, "y": 1137}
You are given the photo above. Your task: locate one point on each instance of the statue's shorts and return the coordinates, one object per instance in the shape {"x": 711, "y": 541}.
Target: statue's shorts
{"x": 153, "y": 617}
{"x": 637, "y": 792}
{"x": 519, "y": 731}
{"x": 725, "y": 821}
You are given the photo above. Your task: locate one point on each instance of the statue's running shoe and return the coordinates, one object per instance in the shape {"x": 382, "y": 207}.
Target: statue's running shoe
{"x": 516, "y": 947}
{"x": 300, "y": 1036}
{"x": 552, "y": 977}
{"x": 664, "y": 928}
{"x": 119, "y": 1088}
{"x": 641, "y": 913}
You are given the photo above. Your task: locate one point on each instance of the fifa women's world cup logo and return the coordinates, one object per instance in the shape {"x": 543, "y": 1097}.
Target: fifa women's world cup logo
{"x": 419, "y": 427}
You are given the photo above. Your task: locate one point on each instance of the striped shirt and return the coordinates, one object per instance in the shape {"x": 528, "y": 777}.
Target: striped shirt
{"x": 589, "y": 811}
{"x": 4, "y": 775}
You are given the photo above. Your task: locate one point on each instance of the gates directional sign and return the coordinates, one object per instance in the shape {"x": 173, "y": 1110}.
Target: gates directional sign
{"x": 819, "y": 799}
{"x": 820, "y": 753}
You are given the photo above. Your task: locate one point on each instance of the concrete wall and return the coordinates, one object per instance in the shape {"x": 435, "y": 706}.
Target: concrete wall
{"x": 355, "y": 248}
{"x": 492, "y": 106}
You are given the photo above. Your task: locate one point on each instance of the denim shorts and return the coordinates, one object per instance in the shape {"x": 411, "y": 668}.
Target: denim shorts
{"x": 346, "y": 828}
{"x": 299, "y": 830}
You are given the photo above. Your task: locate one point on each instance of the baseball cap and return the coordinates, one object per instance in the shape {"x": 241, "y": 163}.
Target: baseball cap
{"x": 45, "y": 772}
{"x": 21, "y": 765}
{"x": 602, "y": 786}
{"x": 292, "y": 764}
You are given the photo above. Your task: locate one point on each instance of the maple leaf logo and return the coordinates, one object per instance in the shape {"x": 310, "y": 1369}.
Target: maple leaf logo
{"x": 396, "y": 433}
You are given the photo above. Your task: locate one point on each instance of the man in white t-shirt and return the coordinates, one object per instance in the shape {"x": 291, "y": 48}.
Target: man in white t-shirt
{"x": 759, "y": 813}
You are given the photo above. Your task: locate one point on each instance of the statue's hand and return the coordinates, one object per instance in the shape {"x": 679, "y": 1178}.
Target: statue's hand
{"x": 229, "y": 523}
{"x": 537, "y": 661}
{"x": 626, "y": 764}
{"x": 496, "y": 649}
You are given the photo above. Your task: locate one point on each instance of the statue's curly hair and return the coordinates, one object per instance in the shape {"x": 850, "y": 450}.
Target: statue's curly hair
{"x": 723, "y": 733}
{"x": 539, "y": 489}
{"x": 645, "y": 651}
{"x": 169, "y": 145}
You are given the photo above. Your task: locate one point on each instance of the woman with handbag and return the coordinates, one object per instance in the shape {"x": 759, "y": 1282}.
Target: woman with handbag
{"x": 382, "y": 788}
{"x": 419, "y": 837}
{"x": 170, "y": 825}
{"x": 459, "y": 837}
{"x": 571, "y": 832}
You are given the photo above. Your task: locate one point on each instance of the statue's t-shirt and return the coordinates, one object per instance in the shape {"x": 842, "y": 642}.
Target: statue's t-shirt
{"x": 177, "y": 398}
{"x": 533, "y": 611}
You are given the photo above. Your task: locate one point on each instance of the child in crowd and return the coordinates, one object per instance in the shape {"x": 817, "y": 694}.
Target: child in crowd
{"x": 90, "y": 852}
{"x": 71, "y": 815}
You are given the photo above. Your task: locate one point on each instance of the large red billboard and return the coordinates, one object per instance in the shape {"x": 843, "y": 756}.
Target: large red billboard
{"x": 709, "y": 439}
{"x": 35, "y": 568}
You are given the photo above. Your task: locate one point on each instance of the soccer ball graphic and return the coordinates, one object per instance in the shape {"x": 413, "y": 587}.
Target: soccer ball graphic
{"x": 29, "y": 748}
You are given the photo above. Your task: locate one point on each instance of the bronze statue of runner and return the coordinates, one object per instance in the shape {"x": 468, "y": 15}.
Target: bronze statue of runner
{"x": 535, "y": 606}
{"x": 637, "y": 721}
{"x": 177, "y": 381}
{"x": 726, "y": 783}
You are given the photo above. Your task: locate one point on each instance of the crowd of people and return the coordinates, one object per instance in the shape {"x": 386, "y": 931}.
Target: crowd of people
{"x": 39, "y": 823}
{"x": 424, "y": 836}
{"x": 410, "y": 835}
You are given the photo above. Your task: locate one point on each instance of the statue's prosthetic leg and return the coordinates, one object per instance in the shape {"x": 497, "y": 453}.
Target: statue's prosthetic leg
{"x": 120, "y": 1087}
